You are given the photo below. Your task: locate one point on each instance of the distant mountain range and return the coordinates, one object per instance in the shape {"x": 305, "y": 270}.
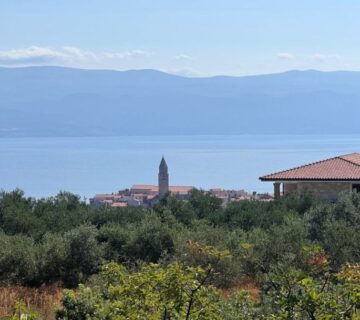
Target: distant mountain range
{"x": 56, "y": 101}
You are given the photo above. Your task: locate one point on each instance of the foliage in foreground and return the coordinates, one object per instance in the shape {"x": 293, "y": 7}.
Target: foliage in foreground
{"x": 178, "y": 292}
{"x": 296, "y": 251}
{"x": 153, "y": 292}
{"x": 21, "y": 312}
{"x": 43, "y": 300}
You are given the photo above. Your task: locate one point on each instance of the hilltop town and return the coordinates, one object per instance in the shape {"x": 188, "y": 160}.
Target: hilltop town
{"x": 148, "y": 195}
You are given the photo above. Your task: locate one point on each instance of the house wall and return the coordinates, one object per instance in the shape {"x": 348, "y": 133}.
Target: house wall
{"x": 290, "y": 187}
{"x": 321, "y": 190}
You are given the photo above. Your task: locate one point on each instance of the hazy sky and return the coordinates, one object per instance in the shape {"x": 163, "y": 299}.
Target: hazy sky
{"x": 189, "y": 37}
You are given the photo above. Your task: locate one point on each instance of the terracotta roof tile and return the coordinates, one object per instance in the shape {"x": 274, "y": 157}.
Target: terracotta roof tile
{"x": 175, "y": 189}
{"x": 346, "y": 167}
{"x": 352, "y": 157}
{"x": 104, "y": 196}
{"x": 144, "y": 187}
{"x": 180, "y": 189}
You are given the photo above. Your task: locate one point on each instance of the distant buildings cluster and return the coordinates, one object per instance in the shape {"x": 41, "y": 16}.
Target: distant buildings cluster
{"x": 325, "y": 180}
{"x": 148, "y": 195}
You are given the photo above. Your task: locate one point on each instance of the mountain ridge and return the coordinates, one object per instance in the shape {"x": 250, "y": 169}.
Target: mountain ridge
{"x": 58, "y": 101}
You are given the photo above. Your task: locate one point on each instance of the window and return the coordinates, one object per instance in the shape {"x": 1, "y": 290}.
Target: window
{"x": 356, "y": 187}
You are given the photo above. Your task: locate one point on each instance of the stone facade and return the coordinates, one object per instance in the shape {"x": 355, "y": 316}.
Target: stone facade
{"x": 290, "y": 187}
{"x": 163, "y": 178}
{"x": 326, "y": 190}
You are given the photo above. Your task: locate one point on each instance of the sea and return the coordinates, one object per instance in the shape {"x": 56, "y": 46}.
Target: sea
{"x": 88, "y": 165}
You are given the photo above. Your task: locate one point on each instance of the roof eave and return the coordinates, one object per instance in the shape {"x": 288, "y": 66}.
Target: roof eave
{"x": 307, "y": 179}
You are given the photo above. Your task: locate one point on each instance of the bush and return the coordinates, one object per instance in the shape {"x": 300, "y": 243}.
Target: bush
{"x": 84, "y": 254}
{"x": 52, "y": 256}
{"x": 151, "y": 240}
{"x": 342, "y": 243}
{"x": 253, "y": 214}
{"x": 261, "y": 251}
{"x": 18, "y": 259}
{"x": 204, "y": 204}
{"x": 174, "y": 292}
{"x": 16, "y": 214}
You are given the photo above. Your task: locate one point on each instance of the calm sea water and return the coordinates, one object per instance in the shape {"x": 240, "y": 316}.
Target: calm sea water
{"x": 43, "y": 166}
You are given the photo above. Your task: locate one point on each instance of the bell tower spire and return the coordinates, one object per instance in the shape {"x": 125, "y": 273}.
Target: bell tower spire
{"x": 163, "y": 178}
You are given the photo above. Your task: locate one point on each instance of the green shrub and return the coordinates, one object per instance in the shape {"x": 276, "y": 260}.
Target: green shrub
{"x": 84, "y": 254}
{"x": 174, "y": 292}
{"x": 18, "y": 259}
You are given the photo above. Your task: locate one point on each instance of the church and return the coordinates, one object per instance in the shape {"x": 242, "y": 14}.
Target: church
{"x": 163, "y": 178}
{"x": 154, "y": 193}
{"x": 142, "y": 194}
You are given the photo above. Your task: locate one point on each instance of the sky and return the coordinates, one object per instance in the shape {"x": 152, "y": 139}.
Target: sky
{"x": 187, "y": 37}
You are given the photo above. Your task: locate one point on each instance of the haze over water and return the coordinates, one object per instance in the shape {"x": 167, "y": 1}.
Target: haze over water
{"x": 89, "y": 165}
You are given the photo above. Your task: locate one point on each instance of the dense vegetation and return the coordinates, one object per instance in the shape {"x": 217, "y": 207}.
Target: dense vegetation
{"x": 187, "y": 260}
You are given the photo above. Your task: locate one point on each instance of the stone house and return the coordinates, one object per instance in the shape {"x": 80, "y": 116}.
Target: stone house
{"x": 325, "y": 179}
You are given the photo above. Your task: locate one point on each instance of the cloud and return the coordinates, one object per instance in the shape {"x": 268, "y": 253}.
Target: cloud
{"x": 323, "y": 57}
{"x": 42, "y": 55}
{"x": 185, "y": 71}
{"x": 30, "y": 55}
{"x": 183, "y": 56}
{"x": 127, "y": 54}
{"x": 285, "y": 56}
{"x": 73, "y": 53}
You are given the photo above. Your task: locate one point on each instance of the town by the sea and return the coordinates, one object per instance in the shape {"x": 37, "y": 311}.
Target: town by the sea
{"x": 89, "y": 165}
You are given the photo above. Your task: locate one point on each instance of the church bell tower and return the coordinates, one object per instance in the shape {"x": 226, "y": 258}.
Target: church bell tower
{"x": 163, "y": 178}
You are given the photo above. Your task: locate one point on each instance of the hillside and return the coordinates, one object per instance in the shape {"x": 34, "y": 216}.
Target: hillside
{"x": 55, "y": 101}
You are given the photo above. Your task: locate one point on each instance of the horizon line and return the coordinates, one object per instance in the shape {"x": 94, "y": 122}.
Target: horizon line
{"x": 174, "y": 73}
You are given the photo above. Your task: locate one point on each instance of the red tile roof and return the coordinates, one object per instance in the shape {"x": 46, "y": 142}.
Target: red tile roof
{"x": 104, "y": 196}
{"x": 180, "y": 189}
{"x": 174, "y": 189}
{"x": 346, "y": 167}
{"x": 145, "y": 187}
{"x": 352, "y": 157}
